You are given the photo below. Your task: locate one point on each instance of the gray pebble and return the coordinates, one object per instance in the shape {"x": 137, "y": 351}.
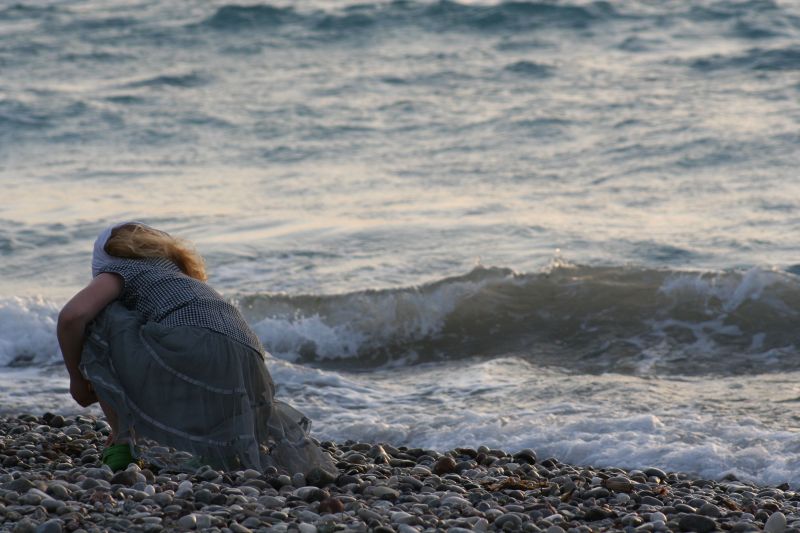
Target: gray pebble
{"x": 187, "y": 522}
{"x": 709, "y": 509}
{"x": 124, "y": 477}
{"x": 51, "y": 526}
{"x": 382, "y": 492}
{"x": 696, "y": 522}
{"x": 511, "y": 518}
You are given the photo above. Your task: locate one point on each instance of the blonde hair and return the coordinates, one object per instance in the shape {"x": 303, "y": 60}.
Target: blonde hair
{"x": 134, "y": 241}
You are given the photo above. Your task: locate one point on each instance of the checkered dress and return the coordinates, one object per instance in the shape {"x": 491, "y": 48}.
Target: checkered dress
{"x": 158, "y": 290}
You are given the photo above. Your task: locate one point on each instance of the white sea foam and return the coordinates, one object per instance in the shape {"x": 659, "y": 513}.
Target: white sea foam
{"x": 27, "y": 331}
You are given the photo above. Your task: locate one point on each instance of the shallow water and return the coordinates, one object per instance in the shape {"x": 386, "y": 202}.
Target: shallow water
{"x": 566, "y": 225}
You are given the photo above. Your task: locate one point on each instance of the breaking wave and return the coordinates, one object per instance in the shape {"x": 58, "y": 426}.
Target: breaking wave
{"x": 591, "y": 319}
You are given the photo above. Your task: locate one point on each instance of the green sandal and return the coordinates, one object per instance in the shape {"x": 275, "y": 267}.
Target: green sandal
{"x": 118, "y": 456}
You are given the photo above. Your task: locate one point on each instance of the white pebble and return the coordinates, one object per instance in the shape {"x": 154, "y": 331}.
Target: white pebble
{"x": 776, "y": 523}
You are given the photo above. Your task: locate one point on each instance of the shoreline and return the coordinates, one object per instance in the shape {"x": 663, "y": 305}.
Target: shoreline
{"x": 51, "y": 480}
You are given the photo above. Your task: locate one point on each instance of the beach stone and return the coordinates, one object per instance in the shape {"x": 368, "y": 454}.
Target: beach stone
{"x": 401, "y": 517}
{"x": 444, "y": 465}
{"x": 51, "y": 526}
{"x": 124, "y": 477}
{"x": 597, "y": 492}
{"x": 650, "y": 500}
{"x": 331, "y": 505}
{"x": 184, "y": 489}
{"x": 619, "y": 484}
{"x": 163, "y": 499}
{"x": 272, "y": 502}
{"x": 709, "y": 509}
{"x": 526, "y": 456}
{"x": 52, "y": 505}
{"x": 555, "y": 529}
{"x": 632, "y": 520}
{"x": 512, "y": 519}
{"x": 236, "y": 527}
{"x": 20, "y": 485}
{"x": 655, "y": 472}
{"x": 281, "y": 481}
{"x": 744, "y": 526}
{"x": 30, "y": 498}
{"x": 26, "y": 525}
{"x": 776, "y": 523}
{"x": 310, "y": 494}
{"x": 99, "y": 473}
{"x": 382, "y": 492}
{"x": 320, "y": 477}
{"x": 306, "y": 528}
{"x": 696, "y": 522}
{"x": 203, "y": 520}
{"x": 368, "y": 515}
{"x": 187, "y": 522}
{"x": 455, "y": 501}
{"x": 657, "y": 517}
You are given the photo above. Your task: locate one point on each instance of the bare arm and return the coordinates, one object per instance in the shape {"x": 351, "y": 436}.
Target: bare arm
{"x": 71, "y": 329}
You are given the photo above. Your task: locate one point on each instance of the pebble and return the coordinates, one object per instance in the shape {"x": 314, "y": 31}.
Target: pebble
{"x": 619, "y": 484}
{"x": 444, "y": 465}
{"x": 696, "y": 522}
{"x": 188, "y": 521}
{"x": 380, "y": 488}
{"x": 776, "y": 523}
{"x": 50, "y": 526}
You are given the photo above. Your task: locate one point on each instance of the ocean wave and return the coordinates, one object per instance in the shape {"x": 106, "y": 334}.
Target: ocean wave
{"x": 441, "y": 15}
{"x": 593, "y": 319}
{"x": 184, "y": 81}
{"x": 773, "y": 59}
{"x": 590, "y": 318}
{"x": 530, "y": 68}
{"x": 17, "y": 114}
{"x": 234, "y": 17}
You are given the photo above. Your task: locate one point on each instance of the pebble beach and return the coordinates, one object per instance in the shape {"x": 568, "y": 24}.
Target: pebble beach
{"x": 52, "y": 480}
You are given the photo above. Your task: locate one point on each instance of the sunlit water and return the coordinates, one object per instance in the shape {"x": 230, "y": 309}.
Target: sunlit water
{"x": 565, "y": 225}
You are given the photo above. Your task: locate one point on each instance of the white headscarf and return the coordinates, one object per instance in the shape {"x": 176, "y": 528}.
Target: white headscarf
{"x": 101, "y": 258}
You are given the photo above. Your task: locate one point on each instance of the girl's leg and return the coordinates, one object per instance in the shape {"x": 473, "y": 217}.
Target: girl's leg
{"x": 113, "y": 421}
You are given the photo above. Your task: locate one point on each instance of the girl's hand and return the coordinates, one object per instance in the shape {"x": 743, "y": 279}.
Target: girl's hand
{"x": 82, "y": 391}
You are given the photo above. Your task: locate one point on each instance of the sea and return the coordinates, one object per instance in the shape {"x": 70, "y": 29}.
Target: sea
{"x": 565, "y": 225}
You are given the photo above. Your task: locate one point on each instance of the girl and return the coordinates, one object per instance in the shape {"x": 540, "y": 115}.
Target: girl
{"x": 169, "y": 359}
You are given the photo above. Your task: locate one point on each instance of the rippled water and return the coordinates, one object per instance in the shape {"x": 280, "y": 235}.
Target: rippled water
{"x": 574, "y": 205}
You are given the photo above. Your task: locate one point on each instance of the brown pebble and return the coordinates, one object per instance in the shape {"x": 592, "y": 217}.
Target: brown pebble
{"x": 331, "y": 505}
{"x": 444, "y": 465}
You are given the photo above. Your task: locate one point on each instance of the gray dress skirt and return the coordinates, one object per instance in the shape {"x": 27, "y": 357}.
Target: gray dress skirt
{"x": 198, "y": 391}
